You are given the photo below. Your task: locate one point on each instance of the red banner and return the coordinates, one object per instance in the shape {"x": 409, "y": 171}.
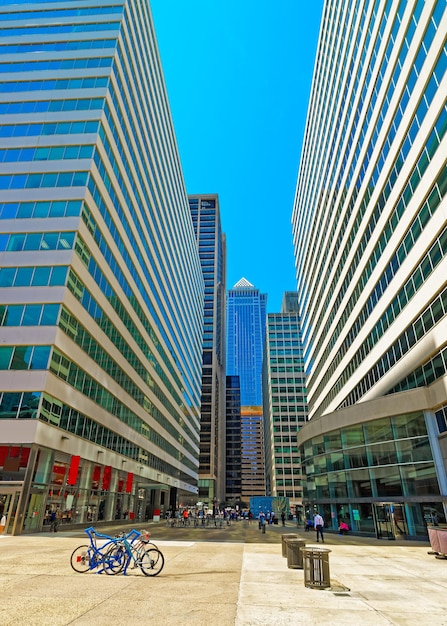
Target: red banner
{"x": 106, "y": 478}
{"x": 129, "y": 482}
{"x": 73, "y": 470}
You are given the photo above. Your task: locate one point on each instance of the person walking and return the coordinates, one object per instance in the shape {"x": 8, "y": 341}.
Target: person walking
{"x": 319, "y": 525}
{"x": 283, "y": 518}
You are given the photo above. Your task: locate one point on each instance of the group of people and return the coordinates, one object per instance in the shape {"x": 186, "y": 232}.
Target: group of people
{"x": 318, "y": 525}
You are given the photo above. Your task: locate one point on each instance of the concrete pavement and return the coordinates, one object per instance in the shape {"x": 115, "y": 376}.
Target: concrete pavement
{"x": 232, "y": 576}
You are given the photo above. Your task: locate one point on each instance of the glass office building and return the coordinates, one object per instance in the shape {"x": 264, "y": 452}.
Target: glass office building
{"x": 370, "y": 238}
{"x": 100, "y": 279}
{"x": 205, "y": 214}
{"x": 285, "y": 403}
{"x": 233, "y": 489}
{"x": 246, "y": 319}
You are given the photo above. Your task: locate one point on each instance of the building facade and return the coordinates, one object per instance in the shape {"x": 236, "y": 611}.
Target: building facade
{"x": 369, "y": 228}
{"x": 233, "y": 489}
{"x": 100, "y": 278}
{"x": 246, "y": 319}
{"x": 285, "y": 403}
{"x": 211, "y": 241}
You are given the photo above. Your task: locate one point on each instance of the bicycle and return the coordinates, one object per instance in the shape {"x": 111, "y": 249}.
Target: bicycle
{"x": 135, "y": 553}
{"x": 89, "y": 557}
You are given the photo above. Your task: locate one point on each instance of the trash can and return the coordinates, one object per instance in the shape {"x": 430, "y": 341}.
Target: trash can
{"x": 295, "y": 553}
{"x": 316, "y": 568}
{"x": 284, "y": 539}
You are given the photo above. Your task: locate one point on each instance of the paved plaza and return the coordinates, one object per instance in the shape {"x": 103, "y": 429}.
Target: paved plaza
{"x": 230, "y": 576}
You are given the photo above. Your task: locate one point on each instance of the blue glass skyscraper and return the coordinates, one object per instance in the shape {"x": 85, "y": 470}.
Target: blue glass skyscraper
{"x": 246, "y": 317}
{"x": 101, "y": 286}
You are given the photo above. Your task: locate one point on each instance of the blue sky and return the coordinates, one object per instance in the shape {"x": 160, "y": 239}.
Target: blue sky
{"x": 238, "y": 74}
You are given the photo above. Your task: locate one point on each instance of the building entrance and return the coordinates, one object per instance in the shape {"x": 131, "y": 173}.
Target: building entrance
{"x": 390, "y": 521}
{"x": 9, "y": 497}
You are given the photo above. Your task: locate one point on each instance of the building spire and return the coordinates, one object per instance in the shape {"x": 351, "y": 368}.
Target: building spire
{"x": 243, "y": 282}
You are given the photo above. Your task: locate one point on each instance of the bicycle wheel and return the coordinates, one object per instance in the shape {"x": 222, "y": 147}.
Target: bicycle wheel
{"x": 114, "y": 560}
{"x": 151, "y": 561}
{"x": 81, "y": 559}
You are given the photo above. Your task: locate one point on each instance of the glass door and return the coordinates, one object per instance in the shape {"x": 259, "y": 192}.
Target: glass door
{"x": 390, "y": 521}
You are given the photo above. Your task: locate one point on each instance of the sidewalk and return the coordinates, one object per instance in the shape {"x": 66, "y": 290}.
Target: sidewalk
{"x": 236, "y": 581}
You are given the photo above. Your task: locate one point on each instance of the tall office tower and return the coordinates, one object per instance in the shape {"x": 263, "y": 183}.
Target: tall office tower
{"x": 369, "y": 227}
{"x": 246, "y": 318}
{"x": 285, "y": 403}
{"x": 208, "y": 229}
{"x": 233, "y": 488}
{"x": 101, "y": 284}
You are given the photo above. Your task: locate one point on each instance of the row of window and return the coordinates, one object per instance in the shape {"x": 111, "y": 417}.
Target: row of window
{"x": 425, "y": 374}
{"x": 24, "y": 357}
{"x": 18, "y": 242}
{"x": 55, "y": 208}
{"x": 46, "y": 13}
{"x": 54, "y": 153}
{"x": 53, "y": 84}
{"x": 56, "y": 65}
{"x": 57, "y": 46}
{"x": 418, "y": 479}
{"x": 53, "y": 29}
{"x": 38, "y": 181}
{"x": 42, "y": 276}
{"x": 29, "y": 314}
{"x": 46, "y": 129}
{"x": 51, "y": 106}
{"x": 19, "y": 404}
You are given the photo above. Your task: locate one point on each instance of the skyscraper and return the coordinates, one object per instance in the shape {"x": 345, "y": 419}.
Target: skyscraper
{"x": 101, "y": 284}
{"x": 369, "y": 227}
{"x": 208, "y": 229}
{"x": 285, "y": 402}
{"x": 246, "y": 318}
{"x": 233, "y": 442}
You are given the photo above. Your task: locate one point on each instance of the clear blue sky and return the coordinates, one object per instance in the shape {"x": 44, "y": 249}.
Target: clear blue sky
{"x": 238, "y": 74}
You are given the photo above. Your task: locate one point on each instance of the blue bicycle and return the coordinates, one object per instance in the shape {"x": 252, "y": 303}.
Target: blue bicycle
{"x": 90, "y": 557}
{"x": 117, "y": 554}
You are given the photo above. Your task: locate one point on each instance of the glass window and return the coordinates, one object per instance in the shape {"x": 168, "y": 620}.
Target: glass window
{"x": 409, "y": 425}
{"x": 41, "y": 276}
{"x": 378, "y": 430}
{"x": 358, "y": 483}
{"x": 386, "y": 481}
{"x": 352, "y": 436}
{"x": 32, "y": 315}
{"x": 21, "y": 357}
{"x": 40, "y": 357}
{"x": 5, "y": 357}
{"x": 383, "y": 454}
{"x": 23, "y": 277}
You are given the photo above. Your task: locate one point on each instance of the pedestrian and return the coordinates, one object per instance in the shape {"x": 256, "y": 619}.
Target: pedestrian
{"x": 318, "y": 525}
{"x": 283, "y": 518}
